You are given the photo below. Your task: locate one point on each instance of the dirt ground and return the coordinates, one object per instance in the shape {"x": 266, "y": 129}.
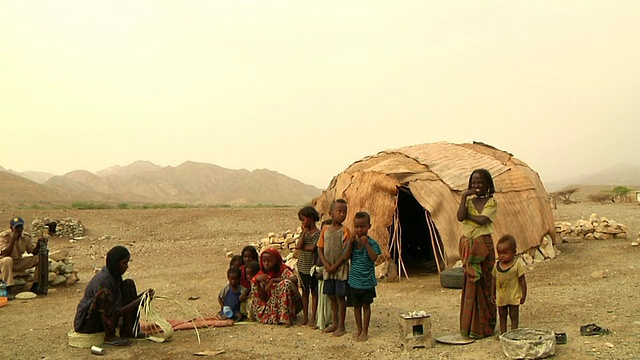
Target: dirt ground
{"x": 181, "y": 253}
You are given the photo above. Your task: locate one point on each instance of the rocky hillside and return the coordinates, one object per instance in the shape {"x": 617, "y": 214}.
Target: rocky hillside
{"x": 190, "y": 182}
{"x": 35, "y": 176}
{"x": 623, "y": 174}
{"x": 18, "y": 191}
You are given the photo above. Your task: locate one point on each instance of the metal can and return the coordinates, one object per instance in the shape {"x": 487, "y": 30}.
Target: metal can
{"x": 97, "y": 350}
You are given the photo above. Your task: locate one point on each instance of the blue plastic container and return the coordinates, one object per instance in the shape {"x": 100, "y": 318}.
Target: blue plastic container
{"x": 227, "y": 312}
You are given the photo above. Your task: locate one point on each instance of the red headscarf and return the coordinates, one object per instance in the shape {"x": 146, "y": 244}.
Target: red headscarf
{"x": 279, "y": 267}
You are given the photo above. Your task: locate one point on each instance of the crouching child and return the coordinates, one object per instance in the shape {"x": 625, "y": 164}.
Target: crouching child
{"x": 232, "y": 295}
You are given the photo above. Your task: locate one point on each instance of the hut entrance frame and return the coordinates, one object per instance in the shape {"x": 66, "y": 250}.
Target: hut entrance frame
{"x": 415, "y": 243}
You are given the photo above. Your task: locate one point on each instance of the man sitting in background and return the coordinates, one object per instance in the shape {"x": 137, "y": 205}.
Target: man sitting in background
{"x": 13, "y": 243}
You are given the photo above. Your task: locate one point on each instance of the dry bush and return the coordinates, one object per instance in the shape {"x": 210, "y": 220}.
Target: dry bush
{"x": 565, "y": 195}
{"x": 601, "y": 197}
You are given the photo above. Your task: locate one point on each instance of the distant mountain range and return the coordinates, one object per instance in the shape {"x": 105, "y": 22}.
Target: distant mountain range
{"x": 623, "y": 174}
{"x": 206, "y": 184}
{"x": 144, "y": 182}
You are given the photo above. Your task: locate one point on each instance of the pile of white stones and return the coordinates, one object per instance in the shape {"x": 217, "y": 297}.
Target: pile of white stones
{"x": 284, "y": 242}
{"x": 61, "y": 271}
{"x": 595, "y": 227}
{"x": 67, "y": 227}
{"x": 546, "y": 251}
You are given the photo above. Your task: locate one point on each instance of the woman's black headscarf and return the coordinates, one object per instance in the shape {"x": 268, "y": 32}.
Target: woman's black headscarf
{"x": 114, "y": 256}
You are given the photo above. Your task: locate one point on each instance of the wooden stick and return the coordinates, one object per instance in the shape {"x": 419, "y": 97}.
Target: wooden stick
{"x": 398, "y": 248}
{"x": 402, "y": 262}
{"x": 441, "y": 247}
{"x": 437, "y": 240}
{"x": 433, "y": 240}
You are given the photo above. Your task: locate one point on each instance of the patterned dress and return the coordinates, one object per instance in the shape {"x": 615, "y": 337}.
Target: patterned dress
{"x": 283, "y": 302}
{"x": 478, "y": 314}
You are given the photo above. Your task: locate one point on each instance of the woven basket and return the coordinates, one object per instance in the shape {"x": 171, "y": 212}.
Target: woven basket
{"x": 79, "y": 340}
{"x": 528, "y": 343}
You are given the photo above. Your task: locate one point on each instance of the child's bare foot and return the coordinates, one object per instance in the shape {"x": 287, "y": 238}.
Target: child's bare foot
{"x": 355, "y": 335}
{"x": 363, "y": 337}
{"x": 304, "y": 322}
{"x": 339, "y": 332}
{"x": 330, "y": 329}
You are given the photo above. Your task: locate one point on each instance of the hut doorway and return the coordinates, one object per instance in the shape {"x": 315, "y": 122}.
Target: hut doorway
{"x": 415, "y": 242}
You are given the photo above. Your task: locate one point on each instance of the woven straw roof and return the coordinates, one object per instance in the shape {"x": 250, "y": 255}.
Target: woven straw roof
{"x": 436, "y": 174}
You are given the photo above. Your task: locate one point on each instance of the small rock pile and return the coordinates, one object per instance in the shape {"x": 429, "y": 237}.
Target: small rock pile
{"x": 546, "y": 251}
{"x": 595, "y": 227}
{"x": 67, "y": 227}
{"x": 284, "y": 242}
{"x": 61, "y": 271}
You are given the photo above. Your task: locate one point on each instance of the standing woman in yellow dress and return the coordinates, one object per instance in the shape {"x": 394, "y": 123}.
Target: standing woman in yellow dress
{"x": 477, "y": 212}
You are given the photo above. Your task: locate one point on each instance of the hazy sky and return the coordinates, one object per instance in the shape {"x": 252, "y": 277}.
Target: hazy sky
{"x": 307, "y": 88}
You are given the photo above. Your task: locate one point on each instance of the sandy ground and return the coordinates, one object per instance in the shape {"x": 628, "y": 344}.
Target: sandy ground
{"x": 181, "y": 253}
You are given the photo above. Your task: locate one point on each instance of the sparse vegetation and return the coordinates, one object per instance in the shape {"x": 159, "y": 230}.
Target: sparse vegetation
{"x": 620, "y": 190}
{"x": 168, "y": 206}
{"x": 84, "y": 205}
{"x": 565, "y": 195}
{"x": 90, "y": 205}
{"x": 620, "y": 193}
{"x": 36, "y": 207}
{"x": 260, "y": 206}
{"x": 602, "y": 197}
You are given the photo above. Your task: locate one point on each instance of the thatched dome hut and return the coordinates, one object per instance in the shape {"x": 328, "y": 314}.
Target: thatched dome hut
{"x": 412, "y": 194}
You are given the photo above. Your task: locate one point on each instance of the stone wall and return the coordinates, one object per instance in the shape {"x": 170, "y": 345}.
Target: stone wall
{"x": 61, "y": 271}
{"x": 67, "y": 227}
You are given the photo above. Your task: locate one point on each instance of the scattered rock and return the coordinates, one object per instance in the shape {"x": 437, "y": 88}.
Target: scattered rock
{"x": 26, "y": 295}
{"x": 71, "y": 279}
{"x": 58, "y": 255}
{"x": 600, "y": 274}
{"x": 59, "y": 280}
{"x": 538, "y": 256}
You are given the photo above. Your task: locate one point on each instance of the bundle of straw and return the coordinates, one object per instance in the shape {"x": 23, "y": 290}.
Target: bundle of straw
{"x": 162, "y": 329}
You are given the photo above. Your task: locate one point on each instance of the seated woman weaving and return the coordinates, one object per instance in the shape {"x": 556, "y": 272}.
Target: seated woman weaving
{"x": 276, "y": 299}
{"x": 108, "y": 298}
